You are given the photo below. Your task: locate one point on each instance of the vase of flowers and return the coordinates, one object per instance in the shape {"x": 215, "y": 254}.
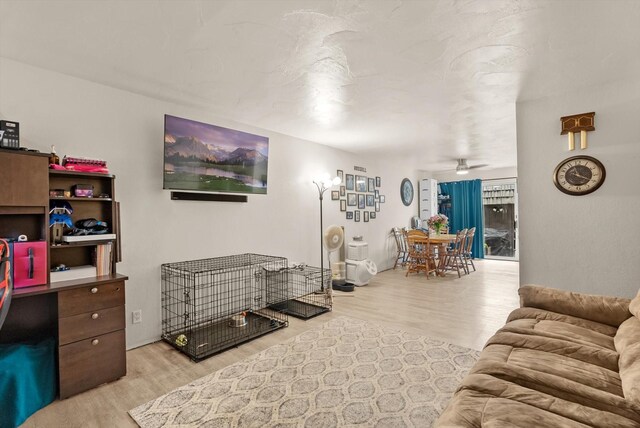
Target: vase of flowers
{"x": 437, "y": 222}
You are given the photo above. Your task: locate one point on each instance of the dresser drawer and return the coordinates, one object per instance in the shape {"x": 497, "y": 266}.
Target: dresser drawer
{"x": 91, "y": 362}
{"x": 83, "y": 326}
{"x": 90, "y": 298}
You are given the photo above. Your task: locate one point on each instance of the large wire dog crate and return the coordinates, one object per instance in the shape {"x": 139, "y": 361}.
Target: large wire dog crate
{"x": 210, "y": 305}
{"x": 301, "y": 286}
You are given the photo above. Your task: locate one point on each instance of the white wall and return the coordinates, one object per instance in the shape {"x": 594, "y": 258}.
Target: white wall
{"x": 86, "y": 119}
{"x": 584, "y": 243}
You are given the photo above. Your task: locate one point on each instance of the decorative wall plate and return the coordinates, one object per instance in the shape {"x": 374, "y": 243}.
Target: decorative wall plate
{"x": 406, "y": 192}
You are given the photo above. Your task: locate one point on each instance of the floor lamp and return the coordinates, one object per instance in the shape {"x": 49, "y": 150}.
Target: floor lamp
{"x": 323, "y": 184}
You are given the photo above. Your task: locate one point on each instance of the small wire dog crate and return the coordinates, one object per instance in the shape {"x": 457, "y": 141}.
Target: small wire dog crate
{"x": 302, "y": 289}
{"x": 210, "y": 305}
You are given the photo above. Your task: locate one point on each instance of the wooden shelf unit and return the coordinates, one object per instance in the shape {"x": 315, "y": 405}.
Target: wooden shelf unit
{"x": 103, "y": 209}
{"x": 86, "y": 316}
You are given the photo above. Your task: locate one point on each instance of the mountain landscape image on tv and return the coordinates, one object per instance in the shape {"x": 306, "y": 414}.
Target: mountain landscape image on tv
{"x": 203, "y": 157}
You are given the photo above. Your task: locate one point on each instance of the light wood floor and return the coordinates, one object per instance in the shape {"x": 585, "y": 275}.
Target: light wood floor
{"x": 465, "y": 311}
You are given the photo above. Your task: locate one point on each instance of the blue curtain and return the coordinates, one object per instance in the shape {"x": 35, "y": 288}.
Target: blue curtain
{"x": 465, "y": 210}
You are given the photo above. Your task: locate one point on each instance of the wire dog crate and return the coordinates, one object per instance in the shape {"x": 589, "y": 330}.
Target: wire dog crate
{"x": 301, "y": 286}
{"x": 210, "y": 305}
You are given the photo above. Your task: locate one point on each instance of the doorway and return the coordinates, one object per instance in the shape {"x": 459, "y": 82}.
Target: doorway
{"x": 500, "y": 205}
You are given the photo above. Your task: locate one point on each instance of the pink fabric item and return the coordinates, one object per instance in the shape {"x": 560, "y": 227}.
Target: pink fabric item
{"x": 23, "y": 264}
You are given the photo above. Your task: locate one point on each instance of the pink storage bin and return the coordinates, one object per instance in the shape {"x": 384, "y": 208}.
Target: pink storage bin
{"x": 29, "y": 263}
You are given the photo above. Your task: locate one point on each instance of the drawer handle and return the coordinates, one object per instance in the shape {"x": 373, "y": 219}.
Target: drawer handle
{"x": 94, "y": 290}
{"x": 94, "y": 316}
{"x": 95, "y": 342}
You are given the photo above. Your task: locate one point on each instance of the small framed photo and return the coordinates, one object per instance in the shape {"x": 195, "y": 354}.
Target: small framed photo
{"x": 349, "y": 183}
{"x": 361, "y": 202}
{"x": 349, "y": 215}
{"x": 378, "y": 182}
{"x": 377, "y": 195}
{"x": 343, "y": 191}
{"x": 361, "y": 183}
{"x": 372, "y": 215}
{"x": 377, "y": 207}
{"x": 340, "y": 174}
{"x": 352, "y": 199}
{"x": 370, "y": 201}
{"x": 382, "y": 199}
{"x": 335, "y": 195}
{"x": 343, "y": 205}
{"x": 365, "y": 216}
{"x": 372, "y": 185}
{"x": 357, "y": 216}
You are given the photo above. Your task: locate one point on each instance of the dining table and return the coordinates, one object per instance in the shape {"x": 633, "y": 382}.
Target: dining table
{"x": 441, "y": 242}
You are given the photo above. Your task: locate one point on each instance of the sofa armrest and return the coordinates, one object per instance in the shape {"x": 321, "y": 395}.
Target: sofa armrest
{"x": 603, "y": 309}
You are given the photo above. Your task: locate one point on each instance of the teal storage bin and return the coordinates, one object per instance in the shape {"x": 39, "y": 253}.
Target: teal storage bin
{"x": 27, "y": 380}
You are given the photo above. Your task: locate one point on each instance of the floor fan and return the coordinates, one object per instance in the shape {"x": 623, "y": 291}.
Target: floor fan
{"x": 332, "y": 239}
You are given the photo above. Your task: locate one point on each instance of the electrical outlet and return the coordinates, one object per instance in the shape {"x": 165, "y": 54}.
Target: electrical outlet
{"x": 136, "y": 316}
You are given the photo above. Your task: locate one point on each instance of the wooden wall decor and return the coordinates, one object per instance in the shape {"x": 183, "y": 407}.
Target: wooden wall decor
{"x": 582, "y": 123}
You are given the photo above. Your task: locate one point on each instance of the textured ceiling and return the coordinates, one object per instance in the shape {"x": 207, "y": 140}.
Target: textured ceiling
{"x": 438, "y": 79}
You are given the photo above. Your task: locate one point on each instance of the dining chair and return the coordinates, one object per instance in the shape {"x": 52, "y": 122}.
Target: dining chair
{"x": 401, "y": 245}
{"x": 421, "y": 257}
{"x": 467, "y": 253}
{"x": 454, "y": 258}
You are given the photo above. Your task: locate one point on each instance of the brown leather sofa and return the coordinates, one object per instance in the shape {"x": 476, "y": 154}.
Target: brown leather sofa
{"x": 562, "y": 360}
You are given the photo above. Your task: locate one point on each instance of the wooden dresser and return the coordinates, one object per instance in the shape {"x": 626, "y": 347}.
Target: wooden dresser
{"x": 91, "y": 336}
{"x": 87, "y": 315}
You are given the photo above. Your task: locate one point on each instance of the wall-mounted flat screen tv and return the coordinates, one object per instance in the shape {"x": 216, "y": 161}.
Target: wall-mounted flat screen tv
{"x": 203, "y": 157}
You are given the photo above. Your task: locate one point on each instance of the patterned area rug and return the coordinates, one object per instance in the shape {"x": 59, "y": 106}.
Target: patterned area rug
{"x": 347, "y": 372}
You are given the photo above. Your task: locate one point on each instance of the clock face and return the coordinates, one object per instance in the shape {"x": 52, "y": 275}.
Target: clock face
{"x": 579, "y": 175}
{"x": 406, "y": 191}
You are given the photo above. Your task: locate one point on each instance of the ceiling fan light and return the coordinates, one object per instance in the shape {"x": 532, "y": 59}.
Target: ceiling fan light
{"x": 462, "y": 167}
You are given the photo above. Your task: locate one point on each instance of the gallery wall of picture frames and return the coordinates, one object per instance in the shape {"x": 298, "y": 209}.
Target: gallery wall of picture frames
{"x": 359, "y": 196}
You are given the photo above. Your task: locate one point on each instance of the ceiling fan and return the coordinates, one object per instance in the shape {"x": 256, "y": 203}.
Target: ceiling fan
{"x": 463, "y": 167}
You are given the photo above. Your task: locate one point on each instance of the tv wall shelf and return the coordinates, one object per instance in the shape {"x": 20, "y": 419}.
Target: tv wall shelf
{"x": 86, "y": 316}
{"x": 82, "y": 199}
{"x": 210, "y": 197}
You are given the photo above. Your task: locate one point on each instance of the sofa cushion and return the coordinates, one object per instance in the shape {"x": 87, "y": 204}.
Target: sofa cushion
{"x": 595, "y": 355}
{"x": 467, "y": 407}
{"x": 603, "y": 309}
{"x": 554, "y": 364}
{"x": 541, "y": 314}
{"x": 600, "y": 390}
{"x": 471, "y": 408}
{"x": 627, "y": 342}
{"x": 560, "y": 330}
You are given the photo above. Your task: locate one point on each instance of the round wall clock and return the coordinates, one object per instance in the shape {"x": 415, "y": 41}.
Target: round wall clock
{"x": 579, "y": 175}
{"x": 406, "y": 192}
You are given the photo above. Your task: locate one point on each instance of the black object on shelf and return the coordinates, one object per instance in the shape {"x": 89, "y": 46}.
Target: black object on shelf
{"x": 9, "y": 134}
